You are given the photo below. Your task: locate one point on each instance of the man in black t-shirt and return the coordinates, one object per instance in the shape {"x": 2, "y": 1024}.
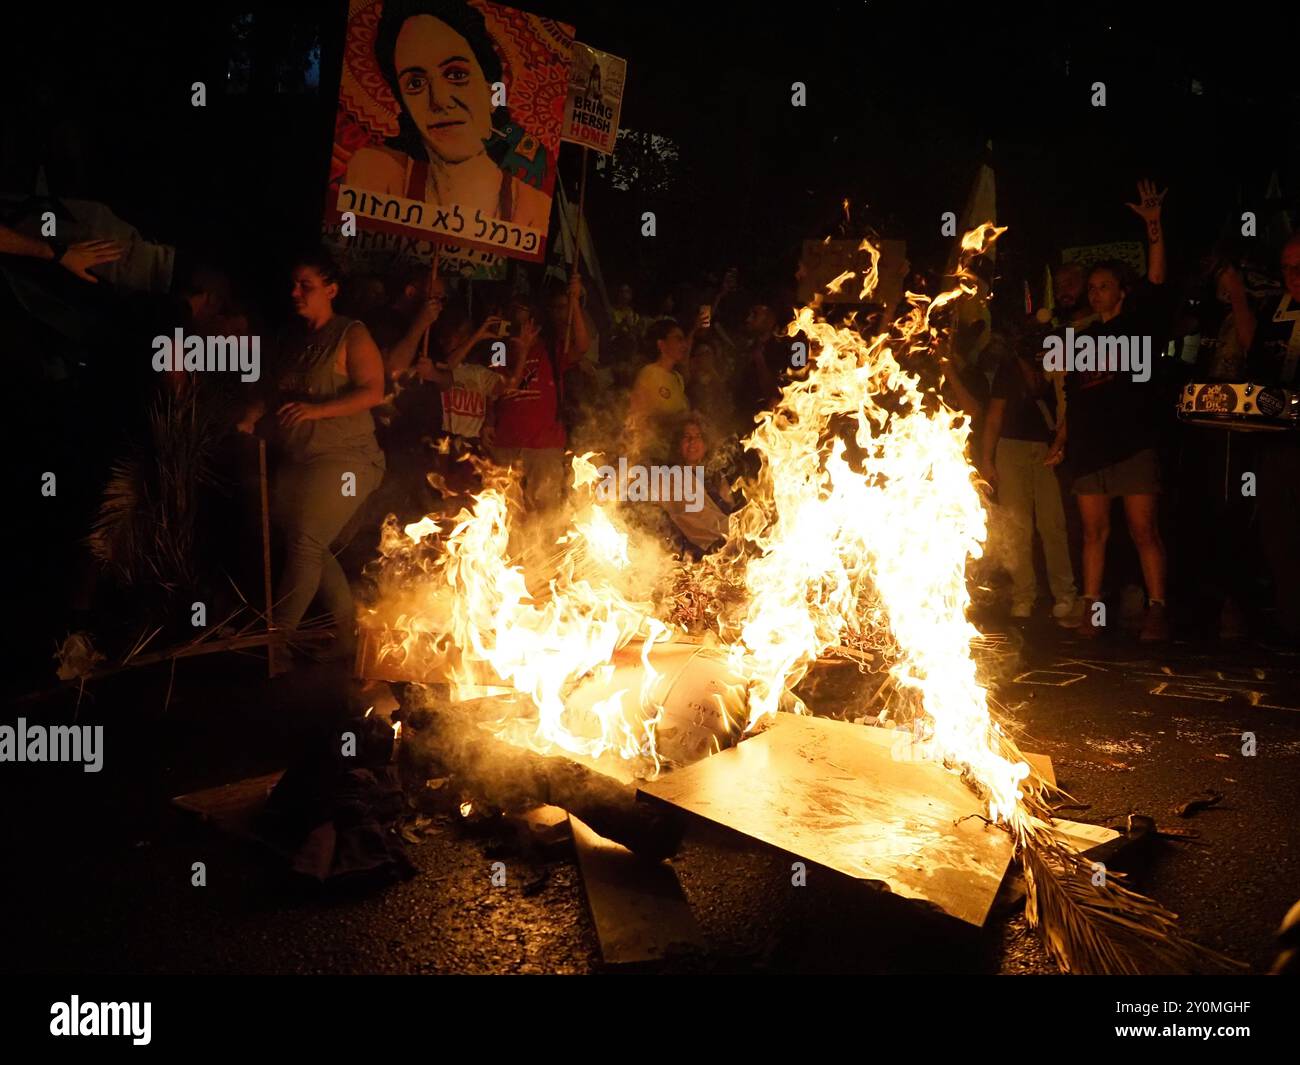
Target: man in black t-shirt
{"x": 1018, "y": 433}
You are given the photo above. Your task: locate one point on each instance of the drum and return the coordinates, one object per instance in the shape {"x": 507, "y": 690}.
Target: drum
{"x": 1242, "y": 407}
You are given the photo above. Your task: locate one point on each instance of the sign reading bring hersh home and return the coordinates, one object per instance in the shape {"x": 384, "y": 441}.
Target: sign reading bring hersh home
{"x": 595, "y": 98}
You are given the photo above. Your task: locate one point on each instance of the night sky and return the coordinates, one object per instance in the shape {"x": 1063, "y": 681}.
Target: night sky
{"x": 899, "y": 109}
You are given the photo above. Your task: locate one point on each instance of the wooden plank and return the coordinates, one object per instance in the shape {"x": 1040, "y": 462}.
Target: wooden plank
{"x": 639, "y": 909}
{"x": 833, "y": 793}
{"x": 231, "y": 807}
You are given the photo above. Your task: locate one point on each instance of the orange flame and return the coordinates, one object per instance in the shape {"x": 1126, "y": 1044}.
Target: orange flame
{"x": 858, "y": 526}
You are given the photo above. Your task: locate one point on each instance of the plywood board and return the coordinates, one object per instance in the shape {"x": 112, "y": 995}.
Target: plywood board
{"x": 638, "y": 906}
{"x": 832, "y": 793}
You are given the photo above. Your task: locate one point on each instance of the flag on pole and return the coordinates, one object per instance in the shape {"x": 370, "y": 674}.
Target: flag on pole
{"x": 567, "y": 211}
{"x": 981, "y": 206}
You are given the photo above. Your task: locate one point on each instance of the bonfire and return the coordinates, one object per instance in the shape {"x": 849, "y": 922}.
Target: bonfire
{"x": 854, "y": 538}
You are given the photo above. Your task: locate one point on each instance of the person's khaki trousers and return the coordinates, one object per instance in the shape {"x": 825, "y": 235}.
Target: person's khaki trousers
{"x": 1029, "y": 497}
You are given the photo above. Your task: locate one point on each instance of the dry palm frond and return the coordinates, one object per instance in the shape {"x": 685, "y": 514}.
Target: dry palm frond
{"x": 121, "y": 526}
{"x": 146, "y": 529}
{"x": 1089, "y": 921}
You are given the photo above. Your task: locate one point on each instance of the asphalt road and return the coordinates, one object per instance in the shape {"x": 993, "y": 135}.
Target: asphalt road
{"x": 100, "y": 866}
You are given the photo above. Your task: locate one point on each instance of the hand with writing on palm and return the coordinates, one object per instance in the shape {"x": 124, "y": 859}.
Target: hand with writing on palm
{"x": 1148, "y": 207}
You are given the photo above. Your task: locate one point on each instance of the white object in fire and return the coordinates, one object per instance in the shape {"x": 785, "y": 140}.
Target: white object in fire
{"x": 705, "y": 701}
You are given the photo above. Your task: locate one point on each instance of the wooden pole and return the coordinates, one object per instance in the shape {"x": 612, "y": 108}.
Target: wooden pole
{"x": 433, "y": 280}
{"x": 582, "y": 208}
{"x": 577, "y": 250}
{"x": 266, "y": 552}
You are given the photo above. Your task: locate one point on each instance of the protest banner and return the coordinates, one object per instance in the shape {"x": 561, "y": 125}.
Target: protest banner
{"x": 448, "y": 124}
{"x": 1131, "y": 253}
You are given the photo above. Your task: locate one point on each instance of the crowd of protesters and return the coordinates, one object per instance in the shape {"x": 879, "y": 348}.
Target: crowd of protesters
{"x": 390, "y": 385}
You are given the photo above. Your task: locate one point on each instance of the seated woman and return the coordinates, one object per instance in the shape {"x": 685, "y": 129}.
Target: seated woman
{"x": 699, "y": 520}
{"x": 438, "y": 58}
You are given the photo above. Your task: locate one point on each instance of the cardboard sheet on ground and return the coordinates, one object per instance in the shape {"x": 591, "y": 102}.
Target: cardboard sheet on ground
{"x": 831, "y": 793}
{"x": 639, "y": 909}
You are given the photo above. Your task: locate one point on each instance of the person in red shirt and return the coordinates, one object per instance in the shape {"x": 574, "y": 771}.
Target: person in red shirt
{"x": 529, "y": 433}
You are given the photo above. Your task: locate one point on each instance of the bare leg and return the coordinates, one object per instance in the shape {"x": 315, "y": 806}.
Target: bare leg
{"x": 1144, "y": 528}
{"x": 1095, "y": 512}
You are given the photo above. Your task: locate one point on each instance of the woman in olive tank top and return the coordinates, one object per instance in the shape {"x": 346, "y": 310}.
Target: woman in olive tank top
{"x": 328, "y": 377}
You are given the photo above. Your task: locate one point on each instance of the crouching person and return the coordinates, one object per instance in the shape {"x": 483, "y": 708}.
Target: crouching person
{"x": 699, "y": 516}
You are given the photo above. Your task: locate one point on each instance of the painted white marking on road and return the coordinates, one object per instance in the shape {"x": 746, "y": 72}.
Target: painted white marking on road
{"x": 1039, "y": 677}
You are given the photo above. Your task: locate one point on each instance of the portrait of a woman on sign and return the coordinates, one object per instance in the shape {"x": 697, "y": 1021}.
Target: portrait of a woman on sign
{"x": 453, "y": 103}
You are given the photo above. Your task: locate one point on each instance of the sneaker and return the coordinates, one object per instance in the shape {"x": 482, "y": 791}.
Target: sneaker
{"x": 1087, "y": 630}
{"x": 1155, "y": 627}
{"x": 1068, "y": 612}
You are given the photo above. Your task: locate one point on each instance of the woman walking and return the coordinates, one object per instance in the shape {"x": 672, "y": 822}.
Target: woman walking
{"x": 330, "y": 375}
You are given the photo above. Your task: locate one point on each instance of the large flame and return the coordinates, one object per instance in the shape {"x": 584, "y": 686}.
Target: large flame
{"x": 857, "y": 527}
{"x": 864, "y": 515}
{"x": 493, "y": 631}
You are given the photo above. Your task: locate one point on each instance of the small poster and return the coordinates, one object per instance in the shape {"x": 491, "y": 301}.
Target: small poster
{"x": 595, "y": 98}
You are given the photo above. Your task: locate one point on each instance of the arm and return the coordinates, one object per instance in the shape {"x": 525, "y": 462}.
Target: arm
{"x": 577, "y": 343}
{"x": 14, "y": 243}
{"x": 397, "y": 360}
{"x": 992, "y": 434}
{"x": 518, "y": 355}
{"x": 696, "y": 326}
{"x": 1057, "y": 451}
{"x": 716, "y": 326}
{"x": 461, "y": 353}
{"x": 1148, "y": 209}
{"x": 441, "y": 376}
{"x": 1243, "y": 316}
{"x": 965, "y": 398}
{"x": 76, "y": 258}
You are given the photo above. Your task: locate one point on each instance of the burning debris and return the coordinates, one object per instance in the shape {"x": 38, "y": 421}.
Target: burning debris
{"x": 854, "y": 538}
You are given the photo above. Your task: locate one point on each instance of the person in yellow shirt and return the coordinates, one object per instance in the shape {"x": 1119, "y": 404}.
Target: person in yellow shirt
{"x": 659, "y": 392}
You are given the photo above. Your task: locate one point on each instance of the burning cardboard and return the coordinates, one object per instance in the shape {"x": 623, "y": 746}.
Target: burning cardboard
{"x": 848, "y": 798}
